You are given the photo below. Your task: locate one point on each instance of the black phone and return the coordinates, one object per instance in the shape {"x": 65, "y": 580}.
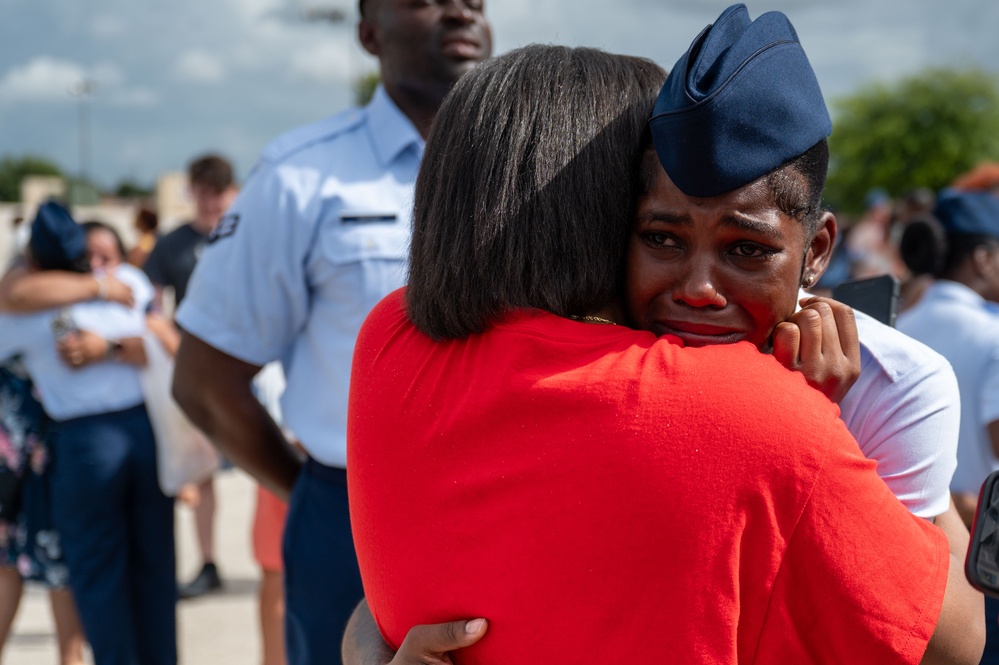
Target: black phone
{"x": 875, "y": 296}
{"x": 981, "y": 566}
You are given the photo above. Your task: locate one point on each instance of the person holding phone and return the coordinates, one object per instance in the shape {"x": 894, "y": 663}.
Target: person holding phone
{"x": 386, "y": 340}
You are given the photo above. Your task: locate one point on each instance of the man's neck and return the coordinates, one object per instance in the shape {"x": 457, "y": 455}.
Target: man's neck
{"x": 418, "y": 103}
{"x": 204, "y": 227}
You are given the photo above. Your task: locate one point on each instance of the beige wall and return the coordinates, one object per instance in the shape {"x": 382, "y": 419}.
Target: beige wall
{"x": 119, "y": 214}
{"x": 8, "y": 211}
{"x": 36, "y": 189}
{"x": 173, "y": 205}
{"x": 173, "y": 200}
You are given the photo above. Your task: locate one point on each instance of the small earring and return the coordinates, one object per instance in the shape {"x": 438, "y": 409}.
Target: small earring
{"x": 806, "y": 281}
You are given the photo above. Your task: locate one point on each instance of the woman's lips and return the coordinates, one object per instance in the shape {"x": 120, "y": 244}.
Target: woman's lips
{"x": 699, "y": 334}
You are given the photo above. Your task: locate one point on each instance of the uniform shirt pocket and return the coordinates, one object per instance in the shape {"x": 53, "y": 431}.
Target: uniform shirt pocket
{"x": 364, "y": 235}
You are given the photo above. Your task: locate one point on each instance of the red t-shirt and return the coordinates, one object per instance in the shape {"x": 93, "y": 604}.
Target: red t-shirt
{"x": 602, "y": 496}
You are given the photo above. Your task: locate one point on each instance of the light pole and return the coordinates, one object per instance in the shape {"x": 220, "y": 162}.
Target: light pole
{"x": 83, "y": 91}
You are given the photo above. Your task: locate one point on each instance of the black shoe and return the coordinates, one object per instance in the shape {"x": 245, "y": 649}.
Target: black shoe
{"x": 208, "y": 580}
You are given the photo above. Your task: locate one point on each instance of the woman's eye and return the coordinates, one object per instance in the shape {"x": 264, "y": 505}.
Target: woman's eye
{"x": 658, "y": 239}
{"x": 751, "y": 251}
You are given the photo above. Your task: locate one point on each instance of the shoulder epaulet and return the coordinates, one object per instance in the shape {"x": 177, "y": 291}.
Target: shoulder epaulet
{"x": 316, "y": 132}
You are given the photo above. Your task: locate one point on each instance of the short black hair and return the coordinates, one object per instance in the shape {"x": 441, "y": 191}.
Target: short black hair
{"x": 527, "y": 188}
{"x": 927, "y": 248}
{"x": 80, "y": 264}
{"x": 797, "y": 185}
{"x": 146, "y": 219}
{"x": 211, "y": 171}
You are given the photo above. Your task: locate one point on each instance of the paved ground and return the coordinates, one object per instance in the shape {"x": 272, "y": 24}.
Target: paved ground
{"x": 215, "y": 629}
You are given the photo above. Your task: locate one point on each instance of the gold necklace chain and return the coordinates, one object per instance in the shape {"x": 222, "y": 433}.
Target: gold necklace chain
{"x": 592, "y": 319}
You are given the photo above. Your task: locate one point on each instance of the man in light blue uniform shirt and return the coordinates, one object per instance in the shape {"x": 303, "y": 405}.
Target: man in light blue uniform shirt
{"x": 317, "y": 237}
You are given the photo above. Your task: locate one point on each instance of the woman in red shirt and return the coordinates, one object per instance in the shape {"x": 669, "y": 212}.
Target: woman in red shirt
{"x": 636, "y": 497}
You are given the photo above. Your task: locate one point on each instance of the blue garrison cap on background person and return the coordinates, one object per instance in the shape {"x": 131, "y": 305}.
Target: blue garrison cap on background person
{"x": 972, "y": 213}
{"x": 57, "y": 241}
{"x": 739, "y": 103}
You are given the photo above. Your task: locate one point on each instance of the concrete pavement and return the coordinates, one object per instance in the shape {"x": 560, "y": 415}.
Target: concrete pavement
{"x": 219, "y": 628}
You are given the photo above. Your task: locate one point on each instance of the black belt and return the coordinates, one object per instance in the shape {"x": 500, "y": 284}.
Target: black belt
{"x": 328, "y": 474}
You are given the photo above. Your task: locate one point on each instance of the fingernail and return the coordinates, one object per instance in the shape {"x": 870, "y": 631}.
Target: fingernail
{"x": 474, "y": 626}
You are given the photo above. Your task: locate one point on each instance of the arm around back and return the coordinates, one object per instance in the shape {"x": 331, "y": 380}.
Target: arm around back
{"x": 424, "y": 645}
{"x": 23, "y": 291}
{"x": 960, "y": 633}
{"x": 214, "y": 390}
{"x": 891, "y": 584}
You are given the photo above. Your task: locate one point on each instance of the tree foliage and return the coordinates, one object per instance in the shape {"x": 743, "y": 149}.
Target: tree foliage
{"x": 14, "y": 169}
{"x": 364, "y": 87}
{"x": 129, "y": 189}
{"x": 919, "y": 132}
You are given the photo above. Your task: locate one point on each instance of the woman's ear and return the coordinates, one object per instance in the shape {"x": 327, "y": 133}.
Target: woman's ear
{"x": 821, "y": 247}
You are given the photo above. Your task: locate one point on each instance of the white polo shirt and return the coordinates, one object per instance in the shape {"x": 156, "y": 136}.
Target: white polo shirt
{"x": 97, "y": 388}
{"x": 958, "y": 323}
{"x": 905, "y": 411}
{"x": 317, "y": 237}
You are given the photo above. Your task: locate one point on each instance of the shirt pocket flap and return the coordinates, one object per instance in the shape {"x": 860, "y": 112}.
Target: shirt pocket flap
{"x": 366, "y": 236}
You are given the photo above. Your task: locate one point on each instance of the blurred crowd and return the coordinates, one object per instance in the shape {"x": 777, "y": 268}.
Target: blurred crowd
{"x": 60, "y": 263}
{"x": 871, "y": 242}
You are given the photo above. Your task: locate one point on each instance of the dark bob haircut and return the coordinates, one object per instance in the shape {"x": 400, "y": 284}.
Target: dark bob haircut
{"x": 526, "y": 192}
{"x": 928, "y": 249}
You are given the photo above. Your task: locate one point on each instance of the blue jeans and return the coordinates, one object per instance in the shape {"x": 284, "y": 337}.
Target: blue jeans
{"x": 322, "y": 580}
{"x": 117, "y": 535}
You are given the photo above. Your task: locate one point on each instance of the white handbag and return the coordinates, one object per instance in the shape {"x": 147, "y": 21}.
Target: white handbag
{"x": 183, "y": 452}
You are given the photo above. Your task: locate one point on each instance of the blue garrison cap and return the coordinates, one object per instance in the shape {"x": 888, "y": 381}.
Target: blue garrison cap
{"x": 57, "y": 241}
{"x": 739, "y": 103}
{"x": 968, "y": 212}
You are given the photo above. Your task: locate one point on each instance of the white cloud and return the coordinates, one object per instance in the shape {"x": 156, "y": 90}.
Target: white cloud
{"x": 134, "y": 98}
{"x": 108, "y": 25}
{"x": 253, "y": 9}
{"x": 324, "y": 63}
{"x": 197, "y": 66}
{"x": 107, "y": 75}
{"x": 42, "y": 79}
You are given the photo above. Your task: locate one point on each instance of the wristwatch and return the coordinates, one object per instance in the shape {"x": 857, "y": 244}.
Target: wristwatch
{"x": 113, "y": 350}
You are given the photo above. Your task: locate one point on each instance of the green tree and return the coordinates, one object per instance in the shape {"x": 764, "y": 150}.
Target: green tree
{"x": 364, "y": 87}
{"x": 14, "y": 169}
{"x": 129, "y": 189}
{"x": 919, "y": 132}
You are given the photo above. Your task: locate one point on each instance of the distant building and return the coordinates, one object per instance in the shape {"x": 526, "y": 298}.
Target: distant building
{"x": 173, "y": 200}
{"x": 37, "y": 189}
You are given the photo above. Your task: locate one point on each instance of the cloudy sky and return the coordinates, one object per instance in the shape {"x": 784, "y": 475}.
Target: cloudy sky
{"x": 173, "y": 79}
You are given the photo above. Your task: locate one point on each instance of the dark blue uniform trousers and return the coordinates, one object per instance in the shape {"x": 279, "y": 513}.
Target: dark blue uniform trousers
{"x": 116, "y": 528}
{"x": 991, "y": 654}
{"x": 322, "y": 580}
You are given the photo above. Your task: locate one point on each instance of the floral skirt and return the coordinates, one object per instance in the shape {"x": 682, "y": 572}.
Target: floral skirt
{"x": 28, "y": 541}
